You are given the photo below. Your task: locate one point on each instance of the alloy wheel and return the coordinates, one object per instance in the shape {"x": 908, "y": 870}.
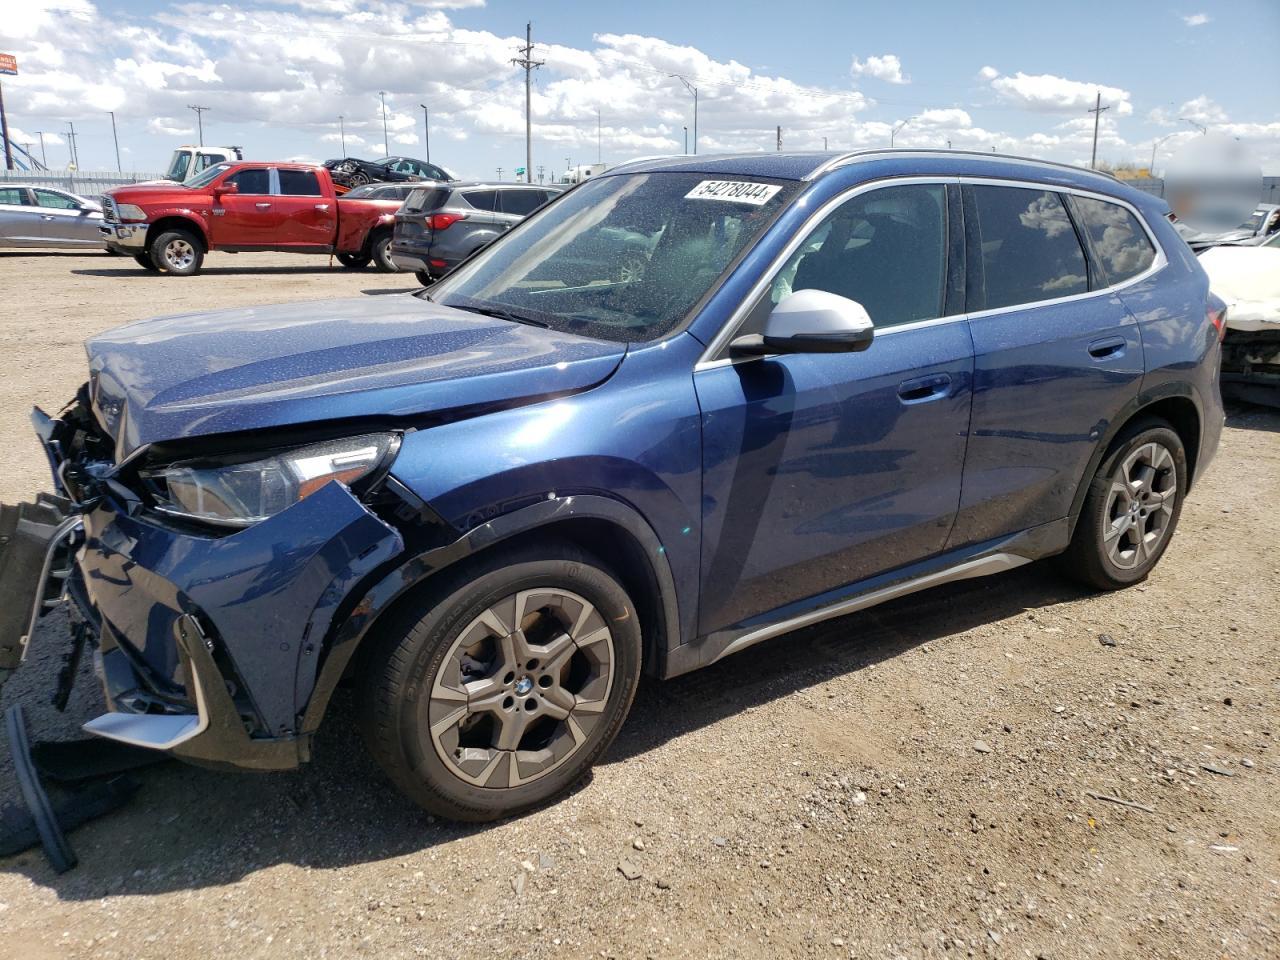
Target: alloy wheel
{"x": 179, "y": 254}
{"x": 521, "y": 688}
{"x": 1139, "y": 506}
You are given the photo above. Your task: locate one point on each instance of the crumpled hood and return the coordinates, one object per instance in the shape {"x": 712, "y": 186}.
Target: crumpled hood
{"x": 373, "y": 357}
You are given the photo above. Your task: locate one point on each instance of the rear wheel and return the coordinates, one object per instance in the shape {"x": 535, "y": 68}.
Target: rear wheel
{"x": 177, "y": 252}
{"x": 1131, "y": 509}
{"x": 381, "y": 251}
{"x": 353, "y": 261}
{"x": 146, "y": 263}
{"x": 510, "y": 685}
{"x": 424, "y": 278}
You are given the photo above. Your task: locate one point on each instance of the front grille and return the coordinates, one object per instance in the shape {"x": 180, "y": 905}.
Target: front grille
{"x": 108, "y": 209}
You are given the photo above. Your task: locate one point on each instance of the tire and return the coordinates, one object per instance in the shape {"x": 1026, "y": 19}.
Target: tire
{"x": 424, "y": 278}
{"x": 464, "y": 770}
{"x": 146, "y": 263}
{"x": 380, "y": 249}
{"x": 177, "y": 252}
{"x": 353, "y": 261}
{"x": 358, "y": 179}
{"x": 1132, "y": 508}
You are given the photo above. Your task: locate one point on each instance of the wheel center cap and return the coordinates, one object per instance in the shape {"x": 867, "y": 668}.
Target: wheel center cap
{"x": 523, "y": 686}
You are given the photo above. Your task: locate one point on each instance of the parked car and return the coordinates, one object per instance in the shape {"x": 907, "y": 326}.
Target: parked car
{"x": 243, "y": 208}
{"x": 1263, "y": 223}
{"x": 354, "y": 172}
{"x": 493, "y": 504}
{"x": 33, "y": 216}
{"x": 381, "y": 191}
{"x": 440, "y": 226}
{"x": 1248, "y": 279}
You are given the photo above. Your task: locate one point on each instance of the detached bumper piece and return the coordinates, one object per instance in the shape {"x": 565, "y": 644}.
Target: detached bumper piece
{"x": 61, "y": 857}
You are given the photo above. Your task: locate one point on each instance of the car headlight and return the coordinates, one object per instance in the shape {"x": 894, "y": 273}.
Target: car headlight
{"x": 240, "y": 492}
{"x": 129, "y": 211}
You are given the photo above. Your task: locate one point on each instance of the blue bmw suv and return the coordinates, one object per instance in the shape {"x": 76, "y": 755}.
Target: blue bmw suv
{"x": 826, "y": 381}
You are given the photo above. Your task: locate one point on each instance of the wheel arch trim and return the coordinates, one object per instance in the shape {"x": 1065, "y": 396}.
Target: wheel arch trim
{"x": 347, "y": 637}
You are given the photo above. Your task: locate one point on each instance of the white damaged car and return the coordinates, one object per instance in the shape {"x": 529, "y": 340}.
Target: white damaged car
{"x": 1248, "y": 280}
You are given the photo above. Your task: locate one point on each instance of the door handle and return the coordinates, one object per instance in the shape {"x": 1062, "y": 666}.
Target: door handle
{"x": 1105, "y": 349}
{"x": 45, "y": 216}
{"x": 263, "y": 206}
{"x": 924, "y": 389}
{"x": 322, "y": 206}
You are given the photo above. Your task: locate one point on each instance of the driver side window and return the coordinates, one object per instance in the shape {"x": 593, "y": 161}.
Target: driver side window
{"x": 886, "y": 249}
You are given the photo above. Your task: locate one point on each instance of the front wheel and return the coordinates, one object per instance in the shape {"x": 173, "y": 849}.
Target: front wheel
{"x": 177, "y": 252}
{"x": 146, "y": 263}
{"x": 510, "y": 685}
{"x": 1131, "y": 509}
{"x": 381, "y": 252}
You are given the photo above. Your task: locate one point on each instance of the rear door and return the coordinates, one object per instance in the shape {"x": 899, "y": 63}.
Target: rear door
{"x": 64, "y": 222}
{"x": 308, "y": 217}
{"x": 824, "y": 469}
{"x": 19, "y": 218}
{"x": 1057, "y": 355}
{"x": 250, "y": 217}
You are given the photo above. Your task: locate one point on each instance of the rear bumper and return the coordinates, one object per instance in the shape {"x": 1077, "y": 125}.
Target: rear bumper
{"x": 124, "y": 237}
{"x": 417, "y": 259}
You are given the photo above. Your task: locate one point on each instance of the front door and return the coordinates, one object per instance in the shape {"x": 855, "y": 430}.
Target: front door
{"x": 821, "y": 470}
{"x": 64, "y": 222}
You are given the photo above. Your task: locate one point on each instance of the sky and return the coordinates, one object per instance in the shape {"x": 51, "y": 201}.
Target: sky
{"x": 1018, "y": 76}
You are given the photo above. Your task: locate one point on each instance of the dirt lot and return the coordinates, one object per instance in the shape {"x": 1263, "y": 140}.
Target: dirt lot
{"x": 908, "y": 782}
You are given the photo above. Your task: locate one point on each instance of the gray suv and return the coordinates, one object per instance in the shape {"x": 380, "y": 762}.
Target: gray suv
{"x": 441, "y": 225}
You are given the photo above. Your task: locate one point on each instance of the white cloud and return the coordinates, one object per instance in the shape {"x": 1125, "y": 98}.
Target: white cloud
{"x": 887, "y": 68}
{"x": 1203, "y": 110}
{"x": 1046, "y": 92}
{"x": 945, "y": 117}
{"x": 1196, "y": 19}
{"x": 170, "y": 127}
{"x": 988, "y": 73}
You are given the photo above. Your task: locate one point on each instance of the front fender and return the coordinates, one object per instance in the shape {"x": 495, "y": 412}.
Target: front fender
{"x": 196, "y": 219}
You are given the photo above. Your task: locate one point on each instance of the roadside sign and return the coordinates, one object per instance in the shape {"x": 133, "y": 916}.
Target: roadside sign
{"x": 519, "y": 171}
{"x": 8, "y": 64}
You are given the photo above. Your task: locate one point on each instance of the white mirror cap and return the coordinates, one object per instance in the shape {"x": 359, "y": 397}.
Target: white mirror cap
{"x": 817, "y": 312}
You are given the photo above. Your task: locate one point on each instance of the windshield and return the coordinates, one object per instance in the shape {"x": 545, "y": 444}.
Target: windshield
{"x": 206, "y": 178}
{"x": 1254, "y": 222}
{"x": 178, "y": 166}
{"x": 620, "y": 257}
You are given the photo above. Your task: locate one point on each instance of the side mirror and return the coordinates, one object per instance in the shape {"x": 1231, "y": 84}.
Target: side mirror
{"x": 810, "y": 321}
{"x": 222, "y": 189}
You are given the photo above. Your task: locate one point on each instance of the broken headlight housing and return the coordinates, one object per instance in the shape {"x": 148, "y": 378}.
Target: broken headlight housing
{"x": 239, "y": 491}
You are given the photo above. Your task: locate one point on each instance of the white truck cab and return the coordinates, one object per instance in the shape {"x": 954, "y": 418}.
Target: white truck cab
{"x": 190, "y": 161}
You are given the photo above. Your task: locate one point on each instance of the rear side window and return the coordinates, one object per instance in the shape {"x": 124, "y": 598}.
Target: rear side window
{"x": 255, "y": 181}
{"x": 13, "y": 196}
{"x": 299, "y": 183}
{"x": 1030, "y": 251}
{"x": 1121, "y": 245}
{"x": 481, "y": 199}
{"x": 520, "y": 202}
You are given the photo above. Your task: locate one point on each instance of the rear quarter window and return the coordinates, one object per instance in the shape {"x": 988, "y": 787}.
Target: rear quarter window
{"x": 1121, "y": 246}
{"x": 1030, "y": 251}
{"x": 425, "y": 198}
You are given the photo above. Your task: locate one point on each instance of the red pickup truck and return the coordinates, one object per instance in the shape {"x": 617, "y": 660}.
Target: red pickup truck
{"x": 243, "y": 207}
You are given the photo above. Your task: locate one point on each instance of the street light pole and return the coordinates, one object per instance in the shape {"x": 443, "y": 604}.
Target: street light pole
{"x": 694, "y": 90}
{"x": 386, "y": 145}
{"x": 1151, "y": 170}
{"x": 894, "y": 132}
{"x": 1204, "y": 131}
{"x": 342, "y": 135}
{"x": 44, "y": 157}
{"x": 426, "y": 130}
{"x": 686, "y": 141}
{"x": 116, "y": 140}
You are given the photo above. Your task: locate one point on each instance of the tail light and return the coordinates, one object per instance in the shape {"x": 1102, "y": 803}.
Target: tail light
{"x": 1218, "y": 317}
{"x": 443, "y": 221}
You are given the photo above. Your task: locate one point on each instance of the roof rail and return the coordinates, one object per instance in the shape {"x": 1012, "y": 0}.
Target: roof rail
{"x": 854, "y": 156}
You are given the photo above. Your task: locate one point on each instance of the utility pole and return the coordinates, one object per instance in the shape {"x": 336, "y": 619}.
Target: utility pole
{"x": 694, "y": 90}
{"x": 499, "y": 174}
{"x": 116, "y": 140}
{"x": 71, "y": 141}
{"x": 686, "y": 141}
{"x": 199, "y": 120}
{"x": 426, "y": 130}
{"x": 526, "y": 61}
{"x": 1097, "y": 111}
{"x": 44, "y": 157}
{"x": 824, "y": 143}
{"x": 386, "y": 146}
{"x": 779, "y": 138}
{"x": 599, "y": 148}
{"x": 342, "y": 135}
{"x": 540, "y": 169}
{"x": 4, "y": 132}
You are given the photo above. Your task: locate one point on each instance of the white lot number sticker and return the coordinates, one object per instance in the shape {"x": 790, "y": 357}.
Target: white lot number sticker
{"x": 734, "y": 191}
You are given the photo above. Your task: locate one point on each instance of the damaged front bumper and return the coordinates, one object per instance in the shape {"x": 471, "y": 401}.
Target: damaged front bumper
{"x": 208, "y": 644}
{"x": 128, "y": 238}
{"x": 1251, "y": 364}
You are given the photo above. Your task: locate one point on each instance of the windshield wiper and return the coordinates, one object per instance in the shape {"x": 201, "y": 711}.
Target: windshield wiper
{"x": 499, "y": 313}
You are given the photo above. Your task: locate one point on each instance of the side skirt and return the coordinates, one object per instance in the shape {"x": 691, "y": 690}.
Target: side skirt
{"x": 977, "y": 560}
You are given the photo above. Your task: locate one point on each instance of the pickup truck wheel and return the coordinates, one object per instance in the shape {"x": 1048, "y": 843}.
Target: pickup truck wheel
{"x": 424, "y": 278}
{"x": 353, "y": 261}
{"x": 177, "y": 252}
{"x": 503, "y": 685}
{"x": 145, "y": 262}
{"x": 381, "y": 250}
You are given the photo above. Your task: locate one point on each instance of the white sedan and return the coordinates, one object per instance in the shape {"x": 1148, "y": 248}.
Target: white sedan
{"x": 1248, "y": 280}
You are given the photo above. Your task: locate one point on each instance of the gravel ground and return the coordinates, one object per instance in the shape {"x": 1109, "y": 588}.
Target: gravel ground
{"x": 913, "y": 781}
